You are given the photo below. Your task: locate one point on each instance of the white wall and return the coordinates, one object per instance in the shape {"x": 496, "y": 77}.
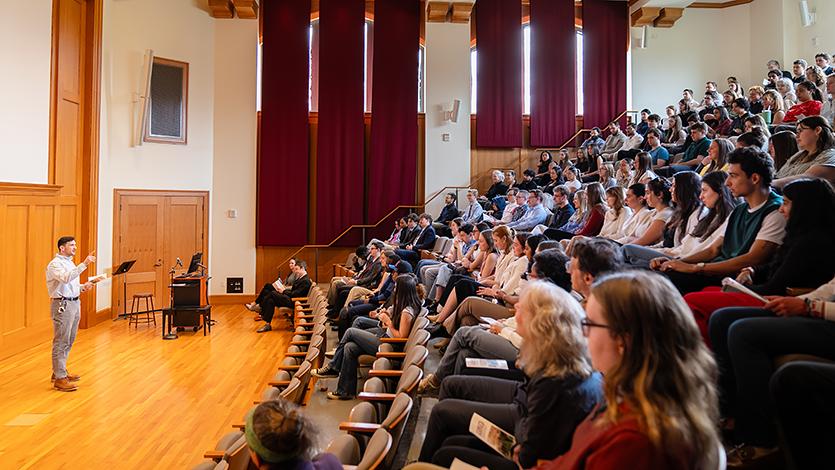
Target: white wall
{"x": 25, "y": 52}
{"x": 447, "y": 78}
{"x": 819, "y": 37}
{"x": 186, "y": 33}
{"x": 705, "y": 44}
{"x": 235, "y": 129}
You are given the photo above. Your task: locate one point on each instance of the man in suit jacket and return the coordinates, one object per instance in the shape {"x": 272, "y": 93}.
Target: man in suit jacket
{"x": 411, "y": 233}
{"x": 425, "y": 241}
{"x": 369, "y": 278}
{"x": 283, "y": 297}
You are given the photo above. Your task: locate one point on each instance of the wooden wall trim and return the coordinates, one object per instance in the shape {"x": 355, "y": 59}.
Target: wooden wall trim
{"x": 231, "y": 299}
{"x": 728, "y": 4}
{"x": 29, "y": 189}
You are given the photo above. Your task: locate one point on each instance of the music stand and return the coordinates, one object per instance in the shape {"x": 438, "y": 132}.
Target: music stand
{"x": 123, "y": 269}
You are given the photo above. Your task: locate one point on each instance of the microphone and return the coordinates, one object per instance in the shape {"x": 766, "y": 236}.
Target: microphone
{"x": 179, "y": 262}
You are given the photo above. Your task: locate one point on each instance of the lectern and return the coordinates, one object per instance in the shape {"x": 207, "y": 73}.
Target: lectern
{"x": 189, "y": 305}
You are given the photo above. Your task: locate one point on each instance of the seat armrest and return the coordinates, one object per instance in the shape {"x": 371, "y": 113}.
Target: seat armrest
{"x": 299, "y": 299}
{"x": 394, "y": 340}
{"x": 214, "y": 455}
{"x": 364, "y": 428}
{"x": 384, "y": 373}
{"x": 306, "y": 317}
{"x": 279, "y": 383}
{"x": 288, "y": 367}
{"x": 240, "y": 426}
{"x": 389, "y": 355}
{"x": 303, "y": 333}
{"x": 299, "y": 343}
{"x": 795, "y": 291}
{"x": 372, "y": 396}
{"x": 304, "y": 309}
{"x": 296, "y": 354}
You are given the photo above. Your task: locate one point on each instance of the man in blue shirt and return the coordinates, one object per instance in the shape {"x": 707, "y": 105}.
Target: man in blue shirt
{"x": 535, "y": 215}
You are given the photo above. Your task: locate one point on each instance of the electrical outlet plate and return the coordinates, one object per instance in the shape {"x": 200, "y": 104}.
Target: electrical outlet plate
{"x": 234, "y": 285}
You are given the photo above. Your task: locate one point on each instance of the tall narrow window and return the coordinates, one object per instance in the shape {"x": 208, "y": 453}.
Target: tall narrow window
{"x": 167, "y": 117}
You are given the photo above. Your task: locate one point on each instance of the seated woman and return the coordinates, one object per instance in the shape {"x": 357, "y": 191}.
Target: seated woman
{"x": 660, "y": 404}
{"x": 746, "y": 343}
{"x": 554, "y": 178}
{"x": 641, "y": 218}
{"x": 578, "y": 218}
{"x": 809, "y": 103}
{"x": 595, "y": 195}
{"x": 394, "y": 323}
{"x": 606, "y": 175}
{"x": 804, "y": 260}
{"x": 717, "y": 156}
{"x": 559, "y": 391}
{"x": 508, "y": 274}
{"x": 721, "y": 124}
{"x": 773, "y": 103}
{"x": 643, "y": 169}
{"x": 498, "y": 188}
{"x": 472, "y": 262}
{"x": 573, "y": 178}
{"x": 688, "y": 211}
{"x": 543, "y": 168}
{"x": 658, "y": 197}
{"x": 624, "y": 174}
{"x": 424, "y": 264}
{"x": 487, "y": 261}
{"x": 376, "y": 301}
{"x": 618, "y": 213}
{"x": 816, "y": 157}
{"x": 279, "y": 436}
{"x": 781, "y": 147}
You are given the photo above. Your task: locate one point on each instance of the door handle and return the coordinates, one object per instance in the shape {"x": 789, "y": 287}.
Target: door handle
{"x": 158, "y": 263}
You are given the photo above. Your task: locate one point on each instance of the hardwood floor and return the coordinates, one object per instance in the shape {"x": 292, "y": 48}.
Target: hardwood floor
{"x": 142, "y": 402}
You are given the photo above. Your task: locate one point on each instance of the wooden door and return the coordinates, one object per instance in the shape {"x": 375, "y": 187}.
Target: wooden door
{"x": 141, "y": 237}
{"x": 155, "y": 228}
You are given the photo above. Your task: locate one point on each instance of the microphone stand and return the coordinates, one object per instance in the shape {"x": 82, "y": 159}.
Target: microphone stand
{"x": 169, "y": 334}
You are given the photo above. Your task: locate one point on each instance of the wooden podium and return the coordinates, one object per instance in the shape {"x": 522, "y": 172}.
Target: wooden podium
{"x": 189, "y": 305}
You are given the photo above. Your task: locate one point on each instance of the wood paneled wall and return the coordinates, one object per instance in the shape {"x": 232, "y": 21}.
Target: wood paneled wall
{"x": 484, "y": 160}
{"x": 32, "y": 217}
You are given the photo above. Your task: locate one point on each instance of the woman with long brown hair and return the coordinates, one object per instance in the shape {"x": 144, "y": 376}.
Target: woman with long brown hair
{"x": 661, "y": 406}
{"x": 816, "y": 158}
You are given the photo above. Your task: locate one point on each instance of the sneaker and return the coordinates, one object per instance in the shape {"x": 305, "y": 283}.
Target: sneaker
{"x": 253, "y": 307}
{"x": 339, "y": 396}
{"x": 324, "y": 372}
{"x": 264, "y": 329}
{"x": 745, "y": 455}
{"x": 428, "y": 384}
{"x": 330, "y": 353}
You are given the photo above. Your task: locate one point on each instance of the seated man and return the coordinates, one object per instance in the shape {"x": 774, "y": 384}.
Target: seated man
{"x": 363, "y": 278}
{"x": 562, "y": 210}
{"x": 594, "y": 142}
{"x": 474, "y": 212}
{"x": 535, "y": 215}
{"x": 375, "y": 300}
{"x": 272, "y": 287}
{"x": 614, "y": 141}
{"x": 507, "y": 212}
{"x": 694, "y": 154}
{"x": 528, "y": 183}
{"x": 590, "y": 259}
{"x": 630, "y": 148}
{"x": 448, "y": 214}
{"x": 283, "y": 297}
{"x": 424, "y": 241}
{"x": 752, "y": 234}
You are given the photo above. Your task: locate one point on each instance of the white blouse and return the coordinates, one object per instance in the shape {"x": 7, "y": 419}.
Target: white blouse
{"x": 613, "y": 224}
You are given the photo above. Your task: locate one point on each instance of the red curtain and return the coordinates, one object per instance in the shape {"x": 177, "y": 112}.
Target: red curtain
{"x": 553, "y": 72}
{"x": 284, "y": 158}
{"x": 605, "y": 36}
{"x": 340, "y": 159}
{"x": 499, "y": 73}
{"x": 393, "y": 159}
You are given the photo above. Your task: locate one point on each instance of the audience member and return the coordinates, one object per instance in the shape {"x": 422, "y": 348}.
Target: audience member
{"x": 816, "y": 155}
{"x": 781, "y": 147}
{"x": 474, "y": 212}
{"x": 641, "y": 218}
{"x": 642, "y": 126}
{"x": 660, "y": 406}
{"x": 528, "y": 182}
{"x": 624, "y": 173}
{"x": 717, "y": 156}
{"x": 572, "y": 178}
{"x": 755, "y": 99}
{"x": 596, "y": 200}
{"x": 255, "y": 306}
{"x": 576, "y": 220}
{"x": 643, "y": 169}
{"x": 535, "y": 214}
{"x": 809, "y": 103}
{"x": 614, "y": 141}
{"x": 694, "y": 154}
{"x": 617, "y": 215}
{"x": 448, "y": 213}
{"x": 606, "y": 175}
{"x": 828, "y": 108}
{"x": 630, "y": 148}
{"x": 545, "y": 161}
{"x": 283, "y": 297}
{"x": 786, "y": 89}
{"x": 659, "y": 155}
{"x": 822, "y": 60}
{"x": 774, "y": 107}
{"x": 659, "y": 197}
{"x": 594, "y": 141}
{"x": 498, "y": 188}
{"x": 799, "y": 71}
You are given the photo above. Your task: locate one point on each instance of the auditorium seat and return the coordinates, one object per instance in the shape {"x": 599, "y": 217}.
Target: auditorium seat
{"x": 348, "y": 450}
{"x": 364, "y": 420}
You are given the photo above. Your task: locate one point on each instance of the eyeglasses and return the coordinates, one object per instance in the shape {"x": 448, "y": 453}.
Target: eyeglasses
{"x": 587, "y": 325}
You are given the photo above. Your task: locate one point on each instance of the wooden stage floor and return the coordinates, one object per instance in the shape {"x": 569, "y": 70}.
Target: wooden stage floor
{"x": 142, "y": 402}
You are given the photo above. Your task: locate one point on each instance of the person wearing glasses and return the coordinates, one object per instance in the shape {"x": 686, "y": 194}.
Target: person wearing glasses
{"x": 661, "y": 404}
{"x": 816, "y": 155}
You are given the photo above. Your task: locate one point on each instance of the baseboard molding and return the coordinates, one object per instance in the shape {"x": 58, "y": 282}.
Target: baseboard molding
{"x": 231, "y": 299}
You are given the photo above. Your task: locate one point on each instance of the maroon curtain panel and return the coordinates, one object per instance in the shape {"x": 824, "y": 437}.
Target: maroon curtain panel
{"x": 499, "y": 73}
{"x": 392, "y": 164}
{"x": 605, "y": 36}
{"x": 553, "y": 72}
{"x": 340, "y": 168}
{"x": 284, "y": 158}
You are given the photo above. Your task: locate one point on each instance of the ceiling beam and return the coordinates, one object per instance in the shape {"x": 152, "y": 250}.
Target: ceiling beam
{"x": 221, "y": 9}
{"x": 461, "y": 12}
{"x": 246, "y": 9}
{"x": 668, "y": 17}
{"x": 437, "y": 11}
{"x": 645, "y": 16}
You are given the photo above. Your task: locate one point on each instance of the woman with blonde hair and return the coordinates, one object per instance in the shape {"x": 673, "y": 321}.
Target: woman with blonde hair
{"x": 661, "y": 405}
{"x": 773, "y": 102}
{"x": 541, "y": 412}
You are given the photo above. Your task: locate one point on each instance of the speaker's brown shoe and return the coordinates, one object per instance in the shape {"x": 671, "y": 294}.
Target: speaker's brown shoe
{"x": 64, "y": 385}
{"x": 70, "y": 377}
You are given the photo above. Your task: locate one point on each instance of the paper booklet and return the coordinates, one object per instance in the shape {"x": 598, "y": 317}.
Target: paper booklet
{"x": 488, "y": 320}
{"x": 96, "y": 279}
{"x": 278, "y": 284}
{"x": 492, "y": 435}
{"x": 461, "y": 465}
{"x": 486, "y": 363}
{"x": 731, "y": 285}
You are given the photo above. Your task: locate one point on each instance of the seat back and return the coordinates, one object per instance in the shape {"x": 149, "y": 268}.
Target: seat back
{"x": 415, "y": 356}
{"x": 439, "y": 245}
{"x": 313, "y": 351}
{"x": 447, "y": 246}
{"x": 346, "y": 448}
{"x": 294, "y": 392}
{"x": 238, "y": 455}
{"x": 395, "y": 422}
{"x": 376, "y": 451}
{"x": 420, "y": 338}
{"x": 420, "y": 324}
{"x": 363, "y": 413}
{"x": 409, "y": 380}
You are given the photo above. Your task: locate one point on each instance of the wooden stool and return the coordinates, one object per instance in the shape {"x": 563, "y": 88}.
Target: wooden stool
{"x": 149, "y": 315}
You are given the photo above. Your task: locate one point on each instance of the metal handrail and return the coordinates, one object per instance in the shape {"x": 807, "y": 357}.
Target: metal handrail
{"x": 432, "y": 198}
{"x": 565, "y": 144}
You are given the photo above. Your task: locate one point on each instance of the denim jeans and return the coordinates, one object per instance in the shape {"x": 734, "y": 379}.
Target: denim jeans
{"x": 640, "y": 256}
{"x": 65, "y": 327}
{"x": 353, "y": 344}
{"x": 424, "y": 263}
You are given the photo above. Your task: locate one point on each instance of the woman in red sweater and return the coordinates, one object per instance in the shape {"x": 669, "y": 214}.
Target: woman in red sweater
{"x": 596, "y": 197}
{"x": 659, "y": 381}
{"x": 809, "y": 103}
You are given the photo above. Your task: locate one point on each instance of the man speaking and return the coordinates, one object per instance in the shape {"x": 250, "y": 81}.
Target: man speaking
{"x": 64, "y": 289}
